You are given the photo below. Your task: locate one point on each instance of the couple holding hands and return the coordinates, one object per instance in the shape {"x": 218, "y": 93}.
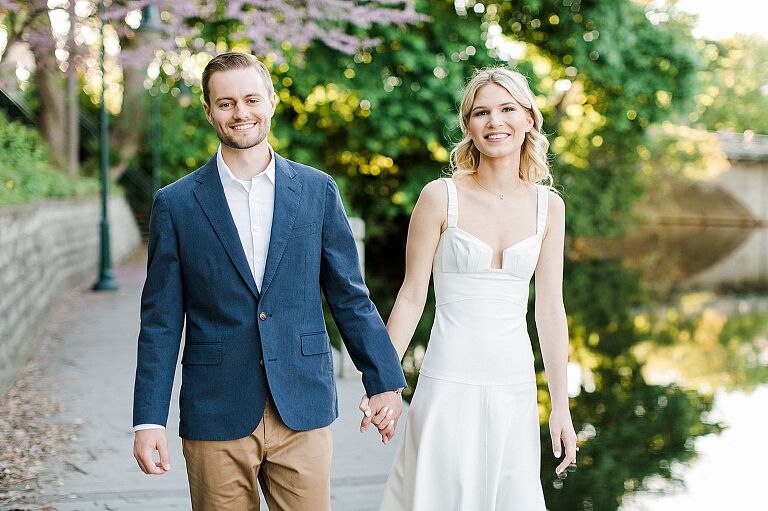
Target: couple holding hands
{"x": 241, "y": 252}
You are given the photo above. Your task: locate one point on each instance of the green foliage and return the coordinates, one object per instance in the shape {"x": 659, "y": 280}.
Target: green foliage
{"x": 382, "y": 121}
{"x": 385, "y": 120}
{"x": 675, "y": 152}
{"x": 626, "y": 74}
{"x": 25, "y": 172}
{"x": 735, "y": 96}
{"x": 187, "y": 141}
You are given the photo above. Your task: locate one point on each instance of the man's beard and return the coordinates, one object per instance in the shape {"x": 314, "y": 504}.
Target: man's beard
{"x": 244, "y": 143}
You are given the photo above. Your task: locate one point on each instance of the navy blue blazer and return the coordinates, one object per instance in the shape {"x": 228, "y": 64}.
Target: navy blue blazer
{"x": 242, "y": 344}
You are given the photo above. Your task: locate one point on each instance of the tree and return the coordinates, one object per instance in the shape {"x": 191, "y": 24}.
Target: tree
{"x": 266, "y": 26}
{"x": 30, "y": 23}
{"x": 382, "y": 122}
{"x": 379, "y": 120}
{"x": 273, "y": 28}
{"x": 735, "y": 92}
{"x": 609, "y": 70}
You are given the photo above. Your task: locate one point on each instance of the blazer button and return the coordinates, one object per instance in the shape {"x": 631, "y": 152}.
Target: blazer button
{"x": 261, "y": 362}
{"x": 263, "y": 316}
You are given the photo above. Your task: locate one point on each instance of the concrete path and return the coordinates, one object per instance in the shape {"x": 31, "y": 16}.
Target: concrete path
{"x": 91, "y": 364}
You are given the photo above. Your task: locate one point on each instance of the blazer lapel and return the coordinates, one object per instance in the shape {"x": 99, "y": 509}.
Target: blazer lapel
{"x": 210, "y": 195}
{"x": 287, "y": 195}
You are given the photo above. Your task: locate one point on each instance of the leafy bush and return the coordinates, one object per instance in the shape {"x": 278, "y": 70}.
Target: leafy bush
{"x": 25, "y": 171}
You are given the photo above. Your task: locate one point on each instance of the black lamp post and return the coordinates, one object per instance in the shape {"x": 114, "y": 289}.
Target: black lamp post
{"x": 106, "y": 282}
{"x": 150, "y": 24}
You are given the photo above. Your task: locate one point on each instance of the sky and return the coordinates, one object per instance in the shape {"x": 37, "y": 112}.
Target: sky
{"x": 720, "y": 19}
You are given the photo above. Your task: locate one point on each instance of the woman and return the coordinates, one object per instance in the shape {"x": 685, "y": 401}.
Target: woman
{"x": 471, "y": 442}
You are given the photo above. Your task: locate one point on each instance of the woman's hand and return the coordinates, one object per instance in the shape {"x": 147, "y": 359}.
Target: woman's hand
{"x": 385, "y": 420}
{"x": 366, "y": 413}
{"x": 563, "y": 435}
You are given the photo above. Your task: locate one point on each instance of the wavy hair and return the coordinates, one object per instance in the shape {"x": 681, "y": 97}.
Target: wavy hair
{"x": 465, "y": 157}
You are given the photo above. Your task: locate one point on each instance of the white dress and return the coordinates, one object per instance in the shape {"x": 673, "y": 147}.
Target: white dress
{"x": 471, "y": 441}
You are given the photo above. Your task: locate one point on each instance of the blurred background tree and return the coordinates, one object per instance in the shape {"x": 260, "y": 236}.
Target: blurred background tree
{"x": 734, "y": 93}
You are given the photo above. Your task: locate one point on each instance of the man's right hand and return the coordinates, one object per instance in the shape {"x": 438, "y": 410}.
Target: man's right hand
{"x": 145, "y": 443}
{"x": 383, "y": 417}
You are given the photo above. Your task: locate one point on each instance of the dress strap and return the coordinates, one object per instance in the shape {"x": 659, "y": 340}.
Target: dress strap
{"x": 541, "y": 210}
{"x": 453, "y": 202}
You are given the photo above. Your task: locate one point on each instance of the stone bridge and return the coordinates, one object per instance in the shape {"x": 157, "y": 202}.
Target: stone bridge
{"x": 747, "y": 178}
{"x": 746, "y": 263}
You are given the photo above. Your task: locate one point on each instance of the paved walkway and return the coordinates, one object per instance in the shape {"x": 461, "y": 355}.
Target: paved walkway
{"x": 91, "y": 366}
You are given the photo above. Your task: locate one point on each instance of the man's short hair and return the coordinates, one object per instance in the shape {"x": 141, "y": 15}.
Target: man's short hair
{"x": 235, "y": 60}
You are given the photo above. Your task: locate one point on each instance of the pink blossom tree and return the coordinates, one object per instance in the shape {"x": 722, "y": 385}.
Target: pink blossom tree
{"x": 267, "y": 27}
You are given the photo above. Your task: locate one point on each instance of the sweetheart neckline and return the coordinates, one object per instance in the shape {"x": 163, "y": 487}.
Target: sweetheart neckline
{"x": 486, "y": 244}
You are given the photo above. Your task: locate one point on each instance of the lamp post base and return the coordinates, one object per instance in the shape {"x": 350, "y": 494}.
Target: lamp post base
{"x": 106, "y": 283}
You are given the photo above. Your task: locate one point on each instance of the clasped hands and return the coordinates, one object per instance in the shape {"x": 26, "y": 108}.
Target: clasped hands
{"x": 382, "y": 410}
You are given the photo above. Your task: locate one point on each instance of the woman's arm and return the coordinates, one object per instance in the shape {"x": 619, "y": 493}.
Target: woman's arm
{"x": 428, "y": 217}
{"x": 426, "y": 224}
{"x": 551, "y": 322}
{"x": 552, "y": 326}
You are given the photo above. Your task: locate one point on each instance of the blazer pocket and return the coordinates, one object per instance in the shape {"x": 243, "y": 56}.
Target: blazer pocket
{"x": 303, "y": 230}
{"x": 205, "y": 353}
{"x": 315, "y": 344}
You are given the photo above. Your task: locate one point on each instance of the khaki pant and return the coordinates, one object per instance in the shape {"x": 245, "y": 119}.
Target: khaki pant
{"x": 292, "y": 468}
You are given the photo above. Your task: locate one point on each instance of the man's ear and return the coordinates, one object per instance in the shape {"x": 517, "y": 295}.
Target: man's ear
{"x": 207, "y": 111}
{"x": 274, "y": 101}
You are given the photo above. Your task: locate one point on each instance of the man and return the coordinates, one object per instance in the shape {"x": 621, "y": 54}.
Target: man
{"x": 241, "y": 249}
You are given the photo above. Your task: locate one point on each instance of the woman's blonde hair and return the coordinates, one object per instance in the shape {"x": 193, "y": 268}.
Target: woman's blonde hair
{"x": 465, "y": 157}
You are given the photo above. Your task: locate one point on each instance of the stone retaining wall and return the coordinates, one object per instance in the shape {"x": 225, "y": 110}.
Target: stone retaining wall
{"x": 46, "y": 248}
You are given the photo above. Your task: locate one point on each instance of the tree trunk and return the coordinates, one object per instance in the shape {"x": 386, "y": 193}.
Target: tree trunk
{"x": 52, "y": 107}
{"x": 50, "y": 88}
{"x": 73, "y": 122}
{"x": 17, "y": 51}
{"x": 73, "y": 100}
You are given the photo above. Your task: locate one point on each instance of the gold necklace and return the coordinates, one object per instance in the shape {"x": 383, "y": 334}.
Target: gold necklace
{"x": 499, "y": 195}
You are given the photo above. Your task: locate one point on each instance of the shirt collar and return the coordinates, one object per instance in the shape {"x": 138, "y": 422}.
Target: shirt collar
{"x": 228, "y": 178}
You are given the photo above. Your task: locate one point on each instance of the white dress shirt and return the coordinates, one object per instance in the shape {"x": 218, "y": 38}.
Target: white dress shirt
{"x": 252, "y": 204}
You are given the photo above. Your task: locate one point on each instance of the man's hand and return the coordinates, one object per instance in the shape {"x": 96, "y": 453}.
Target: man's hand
{"x": 145, "y": 443}
{"x": 383, "y": 410}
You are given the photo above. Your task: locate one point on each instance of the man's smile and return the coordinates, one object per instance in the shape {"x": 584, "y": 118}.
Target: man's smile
{"x": 243, "y": 127}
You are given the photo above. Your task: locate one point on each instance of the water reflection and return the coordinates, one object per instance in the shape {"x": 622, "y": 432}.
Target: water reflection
{"x": 644, "y": 377}
{"x": 630, "y": 429}
{"x": 708, "y": 343}
{"x": 684, "y": 257}
{"x": 724, "y": 475}
{"x": 648, "y": 359}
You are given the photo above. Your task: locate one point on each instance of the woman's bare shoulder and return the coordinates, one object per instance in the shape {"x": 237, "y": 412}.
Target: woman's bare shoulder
{"x": 434, "y": 194}
{"x": 555, "y": 203}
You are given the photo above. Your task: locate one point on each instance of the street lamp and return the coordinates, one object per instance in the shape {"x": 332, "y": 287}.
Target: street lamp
{"x": 106, "y": 282}
{"x": 150, "y": 24}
